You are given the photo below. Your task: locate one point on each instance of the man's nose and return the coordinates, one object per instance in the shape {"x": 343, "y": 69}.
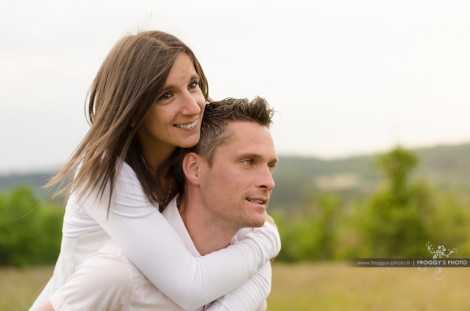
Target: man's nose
{"x": 266, "y": 179}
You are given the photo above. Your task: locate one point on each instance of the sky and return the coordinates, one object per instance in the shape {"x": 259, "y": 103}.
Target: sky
{"x": 345, "y": 77}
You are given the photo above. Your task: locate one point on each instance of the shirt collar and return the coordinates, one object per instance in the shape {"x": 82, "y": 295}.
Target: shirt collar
{"x": 172, "y": 214}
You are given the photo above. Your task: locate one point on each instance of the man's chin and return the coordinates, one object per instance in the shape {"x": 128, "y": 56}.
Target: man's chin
{"x": 258, "y": 223}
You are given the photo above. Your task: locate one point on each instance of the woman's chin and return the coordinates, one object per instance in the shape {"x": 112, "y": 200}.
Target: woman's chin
{"x": 188, "y": 143}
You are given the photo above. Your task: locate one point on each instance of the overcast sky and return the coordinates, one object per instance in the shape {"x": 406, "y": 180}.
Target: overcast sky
{"x": 346, "y": 77}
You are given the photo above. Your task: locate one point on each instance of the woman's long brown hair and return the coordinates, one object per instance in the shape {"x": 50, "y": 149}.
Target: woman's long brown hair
{"x": 126, "y": 85}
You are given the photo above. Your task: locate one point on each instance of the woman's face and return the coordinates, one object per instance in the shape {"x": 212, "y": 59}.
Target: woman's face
{"x": 174, "y": 119}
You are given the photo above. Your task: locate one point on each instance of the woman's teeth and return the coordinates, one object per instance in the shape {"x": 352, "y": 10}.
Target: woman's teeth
{"x": 188, "y": 125}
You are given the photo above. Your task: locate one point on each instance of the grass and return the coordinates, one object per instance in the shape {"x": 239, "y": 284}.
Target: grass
{"x": 19, "y": 287}
{"x": 340, "y": 287}
{"x": 310, "y": 287}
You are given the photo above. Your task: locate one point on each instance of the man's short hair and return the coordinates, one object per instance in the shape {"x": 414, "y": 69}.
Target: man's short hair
{"x": 218, "y": 114}
{"x": 213, "y": 128}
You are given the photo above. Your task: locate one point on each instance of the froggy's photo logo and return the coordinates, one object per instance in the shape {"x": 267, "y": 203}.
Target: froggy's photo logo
{"x": 439, "y": 253}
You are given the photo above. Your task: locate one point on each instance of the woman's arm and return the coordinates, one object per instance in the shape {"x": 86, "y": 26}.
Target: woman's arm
{"x": 154, "y": 247}
{"x": 253, "y": 293}
{"x": 249, "y": 296}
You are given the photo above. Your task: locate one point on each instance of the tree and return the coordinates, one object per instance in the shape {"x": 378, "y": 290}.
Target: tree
{"x": 311, "y": 235}
{"x": 395, "y": 218}
{"x": 29, "y": 230}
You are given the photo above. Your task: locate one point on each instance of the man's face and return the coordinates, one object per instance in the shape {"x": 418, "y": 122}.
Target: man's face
{"x": 236, "y": 188}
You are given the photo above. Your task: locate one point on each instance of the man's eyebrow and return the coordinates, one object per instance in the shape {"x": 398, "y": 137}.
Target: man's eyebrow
{"x": 249, "y": 155}
{"x": 257, "y": 156}
{"x": 274, "y": 162}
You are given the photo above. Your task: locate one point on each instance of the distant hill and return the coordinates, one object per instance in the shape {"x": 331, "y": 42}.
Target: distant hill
{"x": 34, "y": 180}
{"x": 446, "y": 167}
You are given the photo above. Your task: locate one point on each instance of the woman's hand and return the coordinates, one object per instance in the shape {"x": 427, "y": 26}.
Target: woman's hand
{"x": 270, "y": 220}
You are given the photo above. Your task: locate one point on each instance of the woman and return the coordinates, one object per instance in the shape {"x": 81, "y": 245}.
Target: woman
{"x": 122, "y": 175}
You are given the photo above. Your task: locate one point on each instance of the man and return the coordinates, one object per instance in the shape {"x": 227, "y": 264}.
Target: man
{"x": 225, "y": 184}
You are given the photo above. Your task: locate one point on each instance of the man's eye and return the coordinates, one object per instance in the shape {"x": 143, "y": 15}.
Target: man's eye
{"x": 248, "y": 162}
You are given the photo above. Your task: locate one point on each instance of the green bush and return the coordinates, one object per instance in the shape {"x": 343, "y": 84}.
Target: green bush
{"x": 30, "y": 231}
{"x": 311, "y": 235}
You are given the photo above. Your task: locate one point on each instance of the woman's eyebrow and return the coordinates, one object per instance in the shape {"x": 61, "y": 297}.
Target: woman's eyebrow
{"x": 191, "y": 78}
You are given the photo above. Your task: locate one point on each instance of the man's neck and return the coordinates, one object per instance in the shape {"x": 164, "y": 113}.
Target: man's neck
{"x": 208, "y": 234}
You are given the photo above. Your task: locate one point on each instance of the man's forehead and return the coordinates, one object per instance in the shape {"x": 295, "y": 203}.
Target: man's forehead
{"x": 248, "y": 137}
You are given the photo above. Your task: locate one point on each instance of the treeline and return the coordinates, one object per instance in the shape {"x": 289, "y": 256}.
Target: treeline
{"x": 298, "y": 179}
{"x": 400, "y": 217}
{"x": 30, "y": 230}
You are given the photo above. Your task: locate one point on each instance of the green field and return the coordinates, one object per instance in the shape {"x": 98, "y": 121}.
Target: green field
{"x": 310, "y": 287}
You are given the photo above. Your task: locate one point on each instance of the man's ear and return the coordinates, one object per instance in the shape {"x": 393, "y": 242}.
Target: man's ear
{"x": 191, "y": 168}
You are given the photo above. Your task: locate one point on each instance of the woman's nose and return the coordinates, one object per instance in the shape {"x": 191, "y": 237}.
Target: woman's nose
{"x": 191, "y": 104}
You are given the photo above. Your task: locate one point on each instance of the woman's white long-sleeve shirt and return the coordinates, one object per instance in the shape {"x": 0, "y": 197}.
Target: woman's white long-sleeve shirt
{"x": 107, "y": 280}
{"x": 150, "y": 242}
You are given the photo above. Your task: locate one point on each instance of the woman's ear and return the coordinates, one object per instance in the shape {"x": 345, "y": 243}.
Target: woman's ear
{"x": 191, "y": 168}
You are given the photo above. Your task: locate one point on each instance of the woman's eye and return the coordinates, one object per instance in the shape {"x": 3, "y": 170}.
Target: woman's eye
{"x": 194, "y": 84}
{"x": 164, "y": 96}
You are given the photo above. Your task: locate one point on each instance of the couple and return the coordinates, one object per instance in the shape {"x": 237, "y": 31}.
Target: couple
{"x": 145, "y": 104}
